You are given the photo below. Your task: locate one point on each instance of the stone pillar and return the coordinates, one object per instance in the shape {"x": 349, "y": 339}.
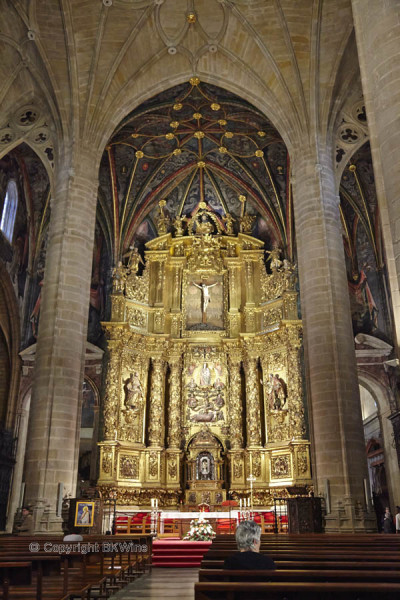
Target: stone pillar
{"x": 236, "y": 412}
{"x": 174, "y": 414}
{"x": 253, "y": 415}
{"x": 335, "y": 407}
{"x": 156, "y": 412}
{"x": 377, "y": 27}
{"x": 51, "y": 455}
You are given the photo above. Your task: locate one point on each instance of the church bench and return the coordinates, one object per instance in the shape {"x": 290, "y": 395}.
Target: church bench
{"x": 296, "y": 591}
{"x": 334, "y": 575}
{"x": 14, "y": 573}
{"x": 318, "y": 564}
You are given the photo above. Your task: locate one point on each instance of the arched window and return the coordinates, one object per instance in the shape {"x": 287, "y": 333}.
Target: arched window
{"x": 9, "y": 210}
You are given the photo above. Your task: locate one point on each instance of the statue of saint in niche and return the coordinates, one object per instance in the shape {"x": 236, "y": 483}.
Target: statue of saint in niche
{"x": 205, "y": 298}
{"x": 276, "y": 390}
{"x": 205, "y": 375}
{"x": 133, "y": 391}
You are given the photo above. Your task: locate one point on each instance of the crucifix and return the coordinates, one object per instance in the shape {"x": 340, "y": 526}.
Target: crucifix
{"x": 252, "y": 479}
{"x": 205, "y": 298}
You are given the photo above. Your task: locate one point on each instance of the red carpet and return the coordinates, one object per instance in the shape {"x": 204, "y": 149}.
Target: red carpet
{"x": 175, "y": 553}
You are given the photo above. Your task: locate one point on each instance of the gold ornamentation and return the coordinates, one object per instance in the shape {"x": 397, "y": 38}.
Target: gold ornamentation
{"x": 222, "y": 122}
{"x": 178, "y": 106}
{"x": 194, "y": 81}
{"x": 253, "y": 403}
{"x": 172, "y": 469}
{"x": 191, "y": 18}
{"x": 174, "y": 413}
{"x": 271, "y": 316}
{"x": 156, "y": 420}
{"x": 256, "y": 464}
{"x": 236, "y": 411}
{"x": 177, "y": 151}
{"x": 197, "y": 116}
{"x": 199, "y": 135}
{"x": 153, "y": 464}
{"x": 228, "y": 134}
{"x": 201, "y": 164}
{"x": 174, "y": 124}
{"x": 106, "y": 463}
{"x": 136, "y": 317}
{"x": 215, "y": 106}
{"x": 134, "y": 135}
{"x": 261, "y": 133}
{"x": 169, "y": 136}
{"x": 279, "y": 427}
{"x": 246, "y": 223}
{"x": 259, "y": 153}
{"x": 129, "y": 466}
{"x": 280, "y": 466}
{"x": 222, "y": 150}
{"x": 237, "y": 468}
{"x": 302, "y": 460}
{"x": 137, "y": 288}
{"x": 139, "y": 154}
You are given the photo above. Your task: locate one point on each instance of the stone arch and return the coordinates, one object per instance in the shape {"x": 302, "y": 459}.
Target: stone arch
{"x": 382, "y": 396}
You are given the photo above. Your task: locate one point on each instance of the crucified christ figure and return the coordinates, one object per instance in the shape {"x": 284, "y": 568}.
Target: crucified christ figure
{"x": 205, "y": 298}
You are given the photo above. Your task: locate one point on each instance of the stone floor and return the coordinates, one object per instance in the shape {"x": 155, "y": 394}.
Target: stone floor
{"x": 161, "y": 583}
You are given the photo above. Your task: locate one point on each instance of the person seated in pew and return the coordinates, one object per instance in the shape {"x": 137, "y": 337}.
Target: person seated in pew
{"x": 26, "y": 526}
{"x": 248, "y": 540}
{"x": 72, "y": 536}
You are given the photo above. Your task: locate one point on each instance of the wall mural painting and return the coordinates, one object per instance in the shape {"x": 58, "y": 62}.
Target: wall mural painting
{"x": 365, "y": 260}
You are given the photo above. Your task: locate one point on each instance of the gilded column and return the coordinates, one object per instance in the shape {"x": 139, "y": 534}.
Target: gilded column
{"x": 253, "y": 421}
{"x": 174, "y": 415}
{"x": 111, "y": 400}
{"x": 235, "y": 410}
{"x": 156, "y": 413}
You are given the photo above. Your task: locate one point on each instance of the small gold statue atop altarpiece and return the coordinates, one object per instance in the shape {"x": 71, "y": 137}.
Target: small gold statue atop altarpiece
{"x": 204, "y": 383}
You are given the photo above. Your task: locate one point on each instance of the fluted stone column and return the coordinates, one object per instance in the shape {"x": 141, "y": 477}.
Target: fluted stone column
{"x": 174, "y": 414}
{"x": 156, "y": 412}
{"x": 377, "y": 27}
{"x": 253, "y": 415}
{"x": 236, "y": 412}
{"x": 53, "y": 436}
{"x": 335, "y": 409}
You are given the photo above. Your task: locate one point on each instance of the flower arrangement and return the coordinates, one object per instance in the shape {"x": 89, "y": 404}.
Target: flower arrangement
{"x": 200, "y": 531}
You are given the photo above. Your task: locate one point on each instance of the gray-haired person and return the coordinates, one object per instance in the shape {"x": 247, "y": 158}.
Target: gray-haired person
{"x": 248, "y": 539}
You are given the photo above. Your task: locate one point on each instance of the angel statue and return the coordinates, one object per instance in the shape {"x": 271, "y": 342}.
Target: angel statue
{"x": 134, "y": 259}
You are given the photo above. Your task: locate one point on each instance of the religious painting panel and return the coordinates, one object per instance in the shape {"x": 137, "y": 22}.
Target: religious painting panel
{"x": 205, "y": 387}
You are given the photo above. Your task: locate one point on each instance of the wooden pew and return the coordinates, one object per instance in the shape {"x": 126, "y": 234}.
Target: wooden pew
{"x": 332, "y": 575}
{"x": 296, "y": 591}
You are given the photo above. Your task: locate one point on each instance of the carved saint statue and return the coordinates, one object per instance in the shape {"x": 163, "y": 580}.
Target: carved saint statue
{"x": 228, "y": 220}
{"x": 205, "y": 375}
{"x": 205, "y": 298}
{"x": 276, "y": 392}
{"x": 133, "y": 391}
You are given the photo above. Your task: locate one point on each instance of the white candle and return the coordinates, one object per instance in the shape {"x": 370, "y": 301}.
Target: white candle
{"x": 156, "y": 502}
{"x": 152, "y": 503}
{"x": 240, "y": 504}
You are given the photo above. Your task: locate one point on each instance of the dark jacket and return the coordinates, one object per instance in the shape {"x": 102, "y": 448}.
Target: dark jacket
{"x": 249, "y": 561}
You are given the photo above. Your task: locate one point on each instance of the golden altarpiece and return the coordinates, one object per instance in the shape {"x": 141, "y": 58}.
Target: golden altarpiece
{"x": 204, "y": 383}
